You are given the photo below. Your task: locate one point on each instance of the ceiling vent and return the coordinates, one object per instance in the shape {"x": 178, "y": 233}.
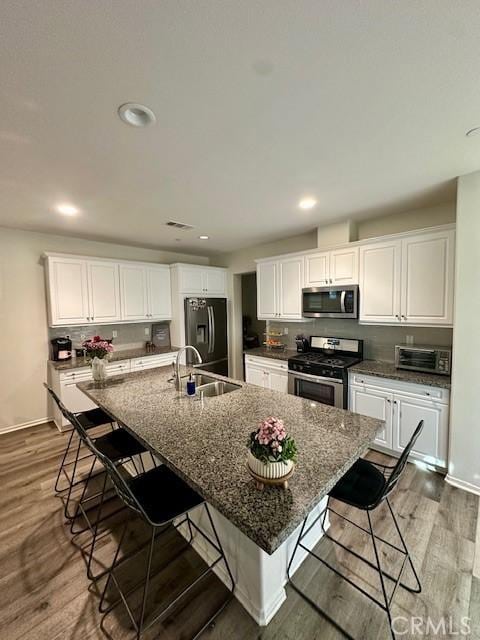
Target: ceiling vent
{"x": 179, "y": 225}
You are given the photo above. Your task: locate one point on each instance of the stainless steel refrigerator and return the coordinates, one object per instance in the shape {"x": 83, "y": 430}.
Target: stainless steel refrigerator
{"x": 206, "y": 329}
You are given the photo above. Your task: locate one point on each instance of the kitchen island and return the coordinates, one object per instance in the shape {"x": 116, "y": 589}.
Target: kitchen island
{"x": 204, "y": 442}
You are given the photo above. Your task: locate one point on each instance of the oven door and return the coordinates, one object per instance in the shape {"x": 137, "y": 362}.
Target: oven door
{"x": 323, "y": 390}
{"x": 330, "y": 302}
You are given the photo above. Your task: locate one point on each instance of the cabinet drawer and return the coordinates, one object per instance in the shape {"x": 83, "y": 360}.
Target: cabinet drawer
{"x": 271, "y": 363}
{"x": 408, "y": 388}
{"x": 152, "y": 362}
{"x": 114, "y": 368}
{"x": 77, "y": 375}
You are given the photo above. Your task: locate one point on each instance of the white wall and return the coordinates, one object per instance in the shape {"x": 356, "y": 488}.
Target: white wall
{"x": 464, "y": 465}
{"x": 23, "y": 316}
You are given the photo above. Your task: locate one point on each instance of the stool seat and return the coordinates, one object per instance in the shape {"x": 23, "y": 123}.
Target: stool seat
{"x": 362, "y": 486}
{"x": 93, "y": 418}
{"x": 118, "y": 444}
{"x": 162, "y": 495}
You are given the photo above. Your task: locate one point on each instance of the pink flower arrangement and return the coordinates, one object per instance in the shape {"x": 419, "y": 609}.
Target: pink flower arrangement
{"x": 97, "y": 347}
{"x": 270, "y": 442}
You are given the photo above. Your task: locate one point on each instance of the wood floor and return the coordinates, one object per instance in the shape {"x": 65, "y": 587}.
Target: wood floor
{"x": 45, "y": 594}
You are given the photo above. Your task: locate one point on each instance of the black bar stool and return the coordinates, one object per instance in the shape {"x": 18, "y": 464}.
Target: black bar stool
{"x": 118, "y": 446}
{"x": 89, "y": 420}
{"x": 365, "y": 486}
{"x": 160, "y": 498}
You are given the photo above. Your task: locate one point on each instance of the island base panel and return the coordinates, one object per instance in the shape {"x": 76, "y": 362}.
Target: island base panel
{"x": 260, "y": 578}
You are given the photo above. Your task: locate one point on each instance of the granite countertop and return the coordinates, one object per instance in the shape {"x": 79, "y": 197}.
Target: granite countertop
{"x": 388, "y": 370}
{"x": 274, "y": 354}
{"x": 116, "y": 356}
{"x": 204, "y": 442}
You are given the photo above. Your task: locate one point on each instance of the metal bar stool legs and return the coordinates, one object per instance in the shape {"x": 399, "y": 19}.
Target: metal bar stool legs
{"x": 365, "y": 488}
{"x": 139, "y": 623}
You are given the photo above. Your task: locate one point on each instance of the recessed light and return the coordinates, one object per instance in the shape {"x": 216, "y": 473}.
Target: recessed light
{"x": 204, "y": 237}
{"x": 473, "y": 132}
{"x": 67, "y": 209}
{"x": 307, "y": 203}
{"x": 137, "y": 115}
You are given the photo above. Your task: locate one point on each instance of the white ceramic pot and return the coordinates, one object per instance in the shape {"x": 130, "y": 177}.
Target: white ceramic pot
{"x": 270, "y": 470}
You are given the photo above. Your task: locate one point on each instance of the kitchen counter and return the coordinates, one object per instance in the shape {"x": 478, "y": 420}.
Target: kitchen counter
{"x": 388, "y": 370}
{"x": 116, "y": 356}
{"x": 274, "y": 354}
{"x": 204, "y": 442}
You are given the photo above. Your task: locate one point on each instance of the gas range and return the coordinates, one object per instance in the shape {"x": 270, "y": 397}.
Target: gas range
{"x": 321, "y": 374}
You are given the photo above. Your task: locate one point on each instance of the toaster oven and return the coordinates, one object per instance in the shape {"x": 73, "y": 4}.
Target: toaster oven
{"x": 424, "y": 358}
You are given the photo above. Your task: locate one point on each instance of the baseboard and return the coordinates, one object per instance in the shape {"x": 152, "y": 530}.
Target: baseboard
{"x": 461, "y": 484}
{"x": 24, "y": 425}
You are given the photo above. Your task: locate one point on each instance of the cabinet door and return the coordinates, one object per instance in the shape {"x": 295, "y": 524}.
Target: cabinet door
{"x": 254, "y": 375}
{"x": 290, "y": 283}
{"x": 375, "y": 404}
{"x": 159, "y": 293}
{"x": 68, "y": 290}
{"x": 191, "y": 279}
{"x": 214, "y": 281}
{"x": 267, "y": 290}
{"x": 104, "y": 291}
{"x": 277, "y": 381}
{"x": 317, "y": 269}
{"x": 427, "y": 278}
{"x": 432, "y": 442}
{"x": 133, "y": 280}
{"x": 344, "y": 266}
{"x": 380, "y": 271}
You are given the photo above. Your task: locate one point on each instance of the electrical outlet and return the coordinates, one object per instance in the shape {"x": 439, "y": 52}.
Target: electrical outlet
{"x": 410, "y": 339}
{"x": 285, "y": 331}
{"x": 83, "y": 337}
{"x": 147, "y": 331}
{"x": 114, "y": 334}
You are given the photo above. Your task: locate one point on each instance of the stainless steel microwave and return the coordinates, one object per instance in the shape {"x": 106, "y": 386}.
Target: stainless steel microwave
{"x": 424, "y": 358}
{"x": 330, "y": 302}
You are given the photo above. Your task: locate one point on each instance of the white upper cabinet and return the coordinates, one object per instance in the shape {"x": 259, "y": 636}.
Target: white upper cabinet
{"x": 344, "y": 266}
{"x": 133, "y": 279}
{"x": 200, "y": 280}
{"x": 336, "y": 267}
{"x": 279, "y": 289}
{"x": 67, "y": 287}
{"x": 104, "y": 291}
{"x": 159, "y": 295}
{"x": 428, "y": 272}
{"x": 95, "y": 291}
{"x": 380, "y": 271}
{"x": 290, "y": 283}
{"x": 408, "y": 281}
{"x": 317, "y": 269}
{"x": 267, "y": 290}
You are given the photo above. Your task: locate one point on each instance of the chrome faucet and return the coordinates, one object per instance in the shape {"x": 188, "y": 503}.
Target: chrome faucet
{"x": 177, "y": 363}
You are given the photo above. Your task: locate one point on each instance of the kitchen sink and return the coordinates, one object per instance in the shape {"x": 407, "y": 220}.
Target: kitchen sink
{"x": 215, "y": 388}
{"x": 201, "y": 379}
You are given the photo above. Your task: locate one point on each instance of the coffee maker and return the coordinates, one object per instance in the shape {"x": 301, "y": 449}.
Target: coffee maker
{"x": 61, "y": 349}
{"x": 303, "y": 344}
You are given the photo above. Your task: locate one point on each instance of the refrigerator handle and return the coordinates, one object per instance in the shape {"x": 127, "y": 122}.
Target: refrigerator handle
{"x": 210, "y": 329}
{"x": 213, "y": 329}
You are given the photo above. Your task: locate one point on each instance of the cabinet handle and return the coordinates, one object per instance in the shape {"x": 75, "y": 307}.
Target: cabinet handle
{"x": 397, "y": 316}
{"x": 404, "y": 317}
{"x": 427, "y": 393}
{"x": 394, "y": 402}
{"x": 388, "y": 400}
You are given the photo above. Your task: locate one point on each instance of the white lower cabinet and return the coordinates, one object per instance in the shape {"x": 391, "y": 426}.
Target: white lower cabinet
{"x": 402, "y": 405}
{"x": 267, "y": 372}
{"x": 376, "y": 404}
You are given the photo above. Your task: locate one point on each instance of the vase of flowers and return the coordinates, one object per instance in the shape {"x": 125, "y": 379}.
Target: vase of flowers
{"x": 271, "y": 452}
{"x": 97, "y": 349}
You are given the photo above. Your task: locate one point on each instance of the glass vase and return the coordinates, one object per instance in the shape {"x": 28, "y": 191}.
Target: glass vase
{"x": 99, "y": 369}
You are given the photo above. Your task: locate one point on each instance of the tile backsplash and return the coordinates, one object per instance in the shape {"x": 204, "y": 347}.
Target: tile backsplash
{"x": 129, "y": 336}
{"x": 379, "y": 341}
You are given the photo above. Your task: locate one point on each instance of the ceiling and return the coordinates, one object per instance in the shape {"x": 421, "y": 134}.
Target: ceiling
{"x": 363, "y": 105}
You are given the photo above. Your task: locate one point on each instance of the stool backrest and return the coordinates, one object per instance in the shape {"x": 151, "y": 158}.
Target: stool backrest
{"x": 394, "y": 477}
{"x": 65, "y": 412}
